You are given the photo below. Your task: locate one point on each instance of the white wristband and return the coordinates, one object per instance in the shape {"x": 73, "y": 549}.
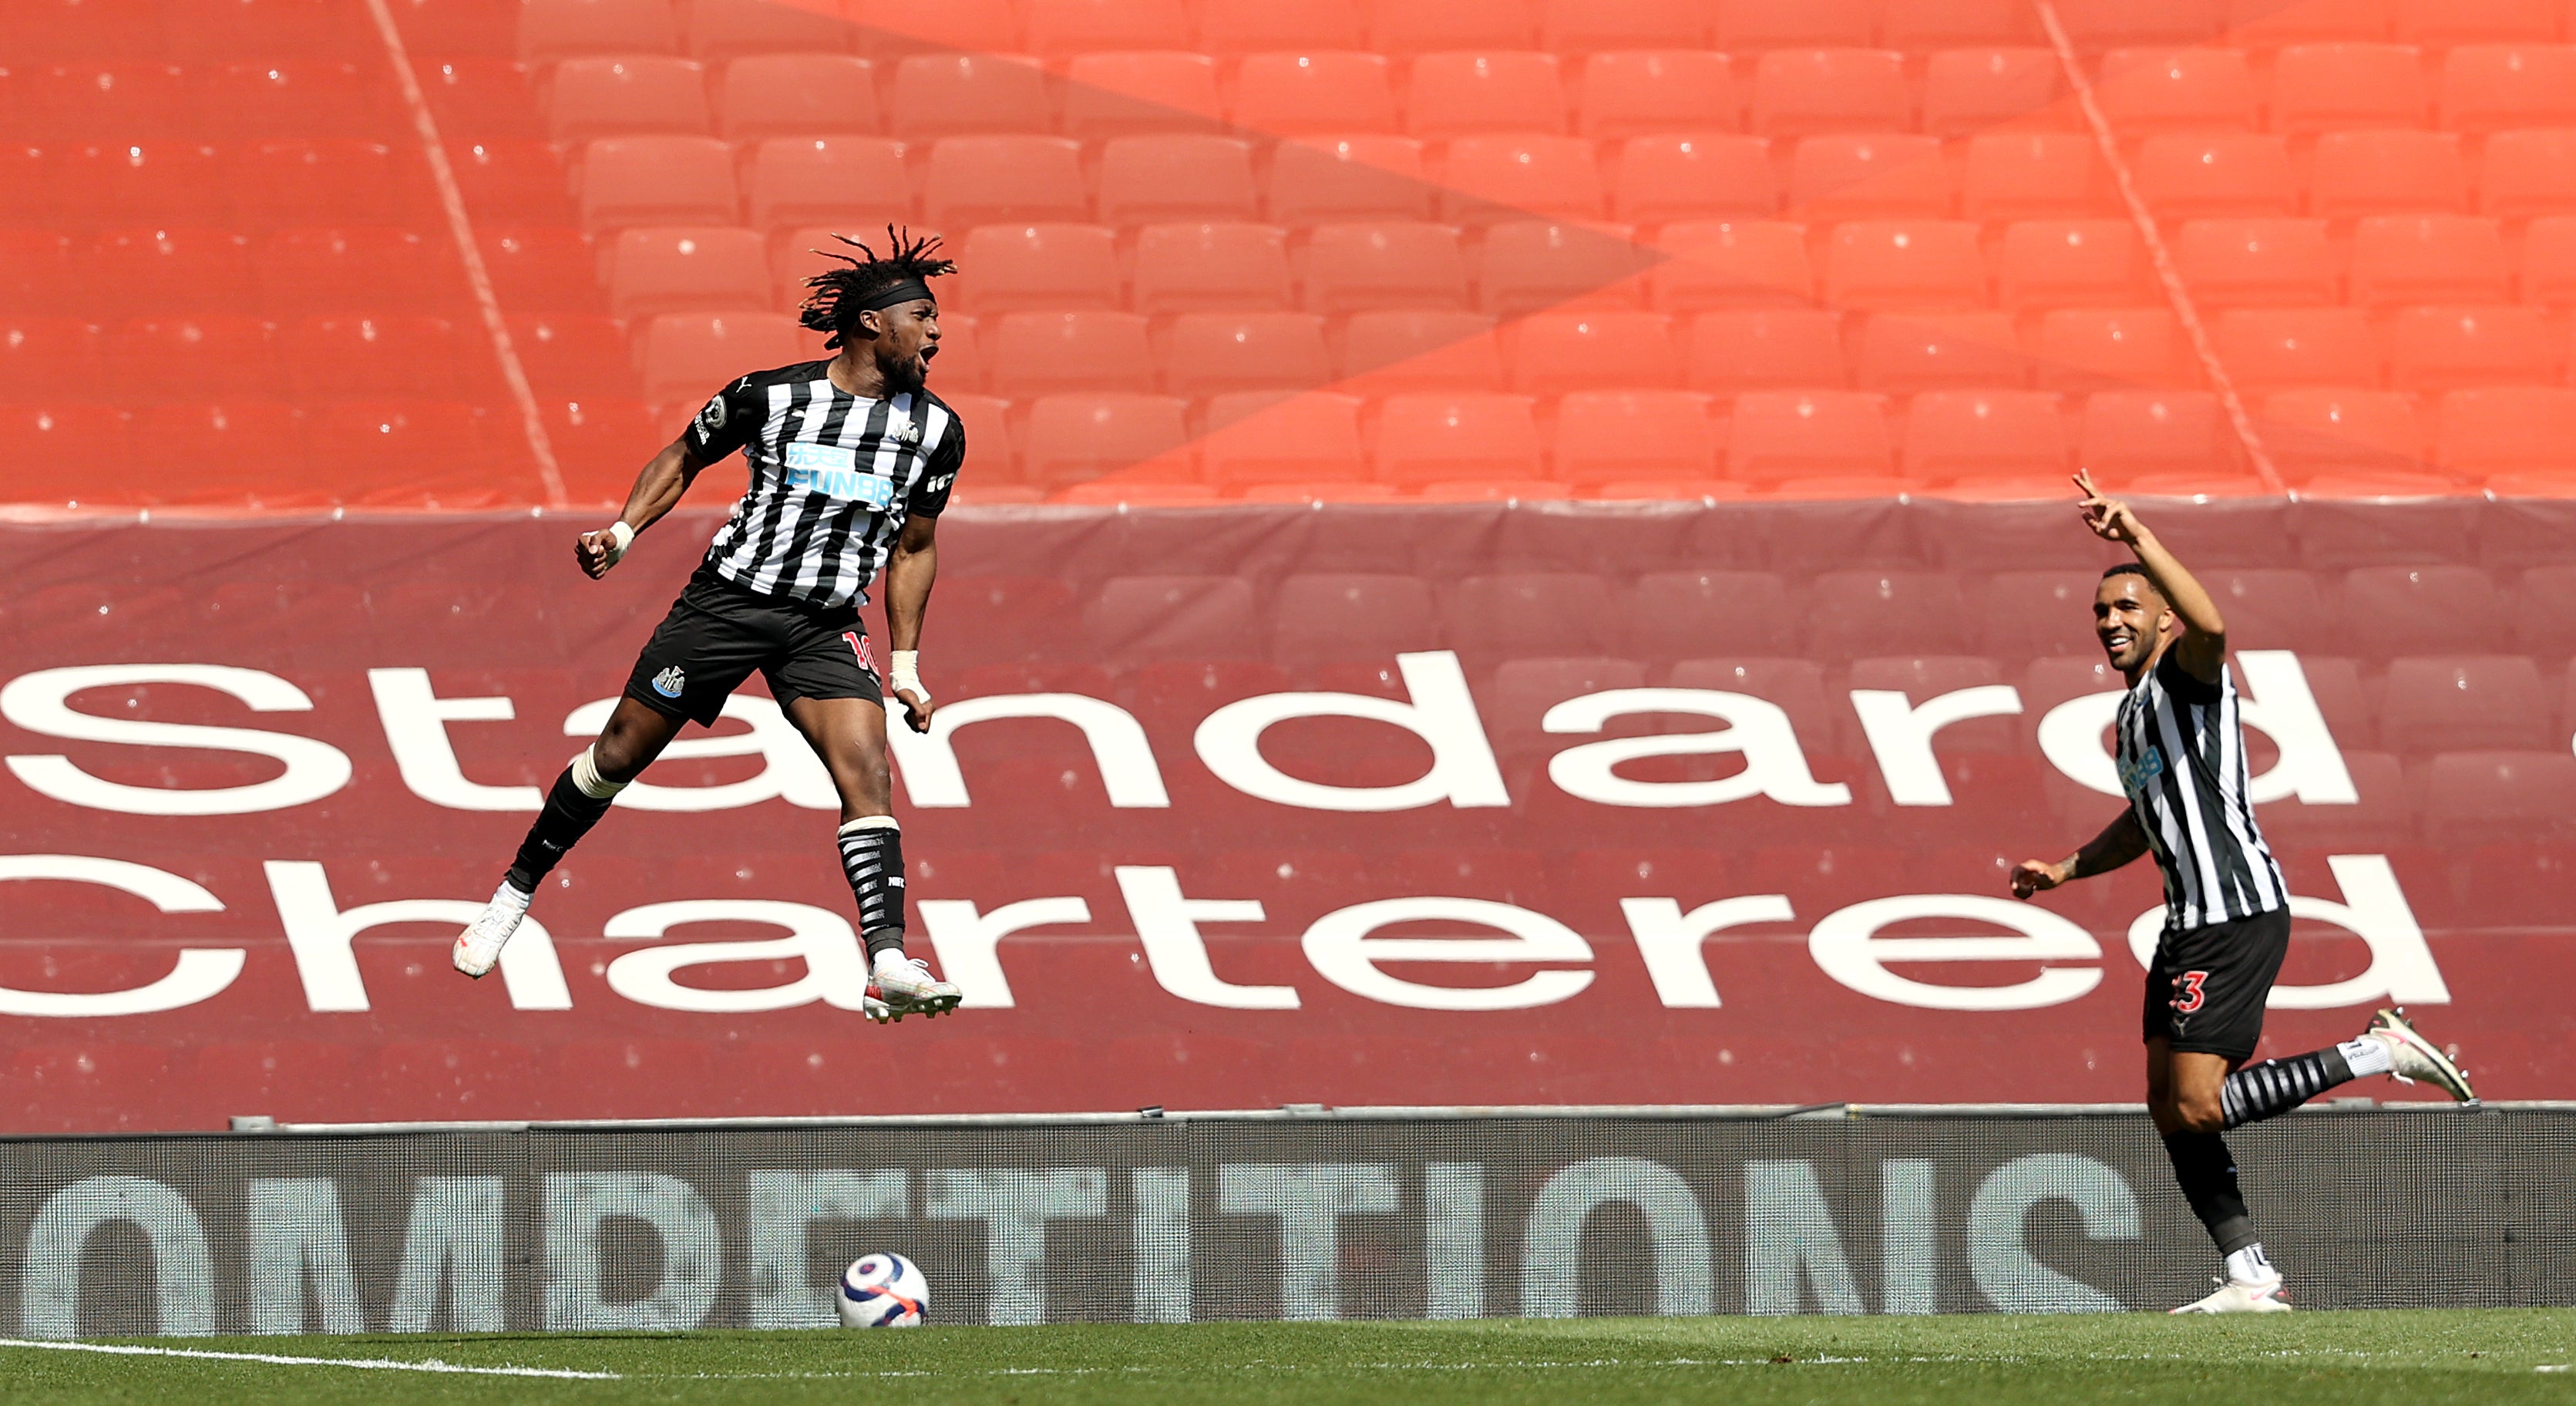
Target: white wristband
{"x": 623, "y": 537}
{"x": 904, "y": 675}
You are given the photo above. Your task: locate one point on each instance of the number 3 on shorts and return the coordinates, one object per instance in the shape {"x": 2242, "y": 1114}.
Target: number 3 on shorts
{"x": 2188, "y": 997}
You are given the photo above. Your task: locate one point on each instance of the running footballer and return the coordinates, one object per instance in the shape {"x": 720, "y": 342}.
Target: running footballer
{"x": 2181, "y": 752}
{"x": 851, "y": 463}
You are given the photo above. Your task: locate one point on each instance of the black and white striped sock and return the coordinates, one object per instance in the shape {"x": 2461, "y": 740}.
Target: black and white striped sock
{"x": 872, "y": 860}
{"x": 2260, "y": 1091}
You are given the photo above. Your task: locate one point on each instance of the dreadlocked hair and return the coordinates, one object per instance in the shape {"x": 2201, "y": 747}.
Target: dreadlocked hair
{"x": 841, "y": 294}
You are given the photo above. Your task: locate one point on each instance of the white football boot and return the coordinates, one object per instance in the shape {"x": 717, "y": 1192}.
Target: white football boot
{"x": 901, "y": 986}
{"x": 2418, "y": 1058}
{"x": 2237, "y": 1296}
{"x": 479, "y": 946}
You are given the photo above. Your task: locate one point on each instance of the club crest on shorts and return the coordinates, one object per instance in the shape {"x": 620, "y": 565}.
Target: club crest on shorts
{"x": 671, "y": 683}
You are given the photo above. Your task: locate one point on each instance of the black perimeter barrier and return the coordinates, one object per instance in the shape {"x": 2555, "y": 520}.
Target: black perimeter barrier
{"x": 1297, "y": 1213}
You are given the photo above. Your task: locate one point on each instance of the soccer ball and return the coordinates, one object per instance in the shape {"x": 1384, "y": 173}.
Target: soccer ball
{"x": 883, "y": 1291}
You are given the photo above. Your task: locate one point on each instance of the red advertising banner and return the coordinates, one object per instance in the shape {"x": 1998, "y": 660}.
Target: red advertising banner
{"x": 1552, "y": 804}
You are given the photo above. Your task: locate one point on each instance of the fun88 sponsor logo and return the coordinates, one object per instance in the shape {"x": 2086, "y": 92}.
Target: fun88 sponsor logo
{"x": 834, "y": 472}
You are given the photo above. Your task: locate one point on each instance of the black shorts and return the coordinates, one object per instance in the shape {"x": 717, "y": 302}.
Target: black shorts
{"x": 717, "y": 633}
{"x": 2207, "y": 986}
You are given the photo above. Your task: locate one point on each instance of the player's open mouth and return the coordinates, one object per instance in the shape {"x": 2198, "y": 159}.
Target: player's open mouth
{"x": 2118, "y": 642}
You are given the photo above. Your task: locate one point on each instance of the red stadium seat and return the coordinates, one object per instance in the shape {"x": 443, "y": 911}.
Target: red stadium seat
{"x": 1416, "y": 350}
{"x": 71, "y": 450}
{"x": 1652, "y": 92}
{"x": 2384, "y": 173}
{"x": 1246, "y": 27}
{"x": 550, "y": 30}
{"x": 230, "y": 357}
{"x": 1265, "y": 438}
{"x": 1429, "y": 26}
{"x": 1226, "y": 267}
{"x": 1607, "y": 435}
{"x": 1905, "y": 266}
{"x": 1953, "y": 435}
{"x": 1801, "y": 91}
{"x": 2403, "y": 610}
{"x": 145, "y": 102}
{"x": 1453, "y": 95}
{"x": 1076, "y": 438}
{"x": 721, "y": 30}
{"x": 2268, "y": 348}
{"x": 1348, "y": 178}
{"x": 1777, "y": 435}
{"x": 295, "y": 98}
{"x": 1923, "y": 26}
{"x": 1357, "y": 267}
{"x": 1006, "y": 268}
{"x": 656, "y": 181}
{"x": 1336, "y": 617}
{"x": 2464, "y": 703}
{"x": 2148, "y": 91}
{"x": 2098, "y": 25}
{"x": 1902, "y": 354}
{"x": 1519, "y": 615}
{"x": 366, "y": 358}
{"x": 2499, "y": 798}
{"x": 1425, "y": 438}
{"x": 628, "y": 95}
{"x": 1116, "y": 95}
{"x": 599, "y": 444}
{"x": 574, "y": 358}
{"x": 1968, "y": 91}
{"x": 306, "y": 272}
{"x": 278, "y": 184}
{"x": 2256, "y": 263}
{"x": 2440, "y": 24}
{"x": 1151, "y": 180}
{"x": 1486, "y": 179}
{"x": 963, "y": 350}
{"x": 1061, "y": 27}
{"x": 2549, "y": 262}
{"x": 1792, "y": 24}
{"x": 1767, "y": 349}
{"x": 35, "y": 272}
{"x": 686, "y": 269}
{"x": 148, "y": 272}
{"x": 2435, "y": 349}
{"x": 2318, "y": 88}
{"x": 2493, "y": 88}
{"x": 1531, "y": 264}
{"x": 2215, "y": 177}
{"x": 1701, "y": 177}
{"x": 2073, "y": 263}
{"x": 1552, "y": 353}
{"x": 165, "y": 183}
{"x": 542, "y": 270}
{"x": 2508, "y": 430}
{"x": 480, "y": 99}
{"x": 857, "y": 183}
{"x": 1679, "y": 614}
{"x": 1041, "y": 353}
{"x": 973, "y": 26}
{"x": 1206, "y": 354}
{"x": 228, "y": 447}
{"x": 2528, "y": 174}
{"x": 2545, "y": 615}
{"x": 2038, "y": 175}
{"x": 364, "y": 440}
{"x": 1922, "y": 677}
{"x": 1869, "y": 176}
{"x": 948, "y": 95}
{"x": 44, "y": 359}
{"x": 2340, "y": 431}
{"x": 2128, "y": 435}
{"x": 795, "y": 95}
{"x": 1292, "y": 94}
{"x": 1003, "y": 180}
{"x": 1731, "y": 264}
{"x": 1855, "y": 613}
{"x": 686, "y": 356}
{"x": 515, "y": 182}
{"x": 2427, "y": 258}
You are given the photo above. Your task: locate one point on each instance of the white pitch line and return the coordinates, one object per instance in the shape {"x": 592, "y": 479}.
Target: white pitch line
{"x": 375, "y": 1364}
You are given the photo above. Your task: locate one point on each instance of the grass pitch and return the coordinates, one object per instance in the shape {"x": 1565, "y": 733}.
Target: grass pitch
{"x": 2407, "y": 1359}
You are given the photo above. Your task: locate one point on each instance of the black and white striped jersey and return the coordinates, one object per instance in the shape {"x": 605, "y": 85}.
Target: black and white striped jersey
{"x": 833, "y": 477}
{"x": 2182, "y": 764}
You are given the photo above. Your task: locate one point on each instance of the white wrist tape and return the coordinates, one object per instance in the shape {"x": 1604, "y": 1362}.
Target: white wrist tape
{"x": 622, "y": 537}
{"x": 904, "y": 673}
